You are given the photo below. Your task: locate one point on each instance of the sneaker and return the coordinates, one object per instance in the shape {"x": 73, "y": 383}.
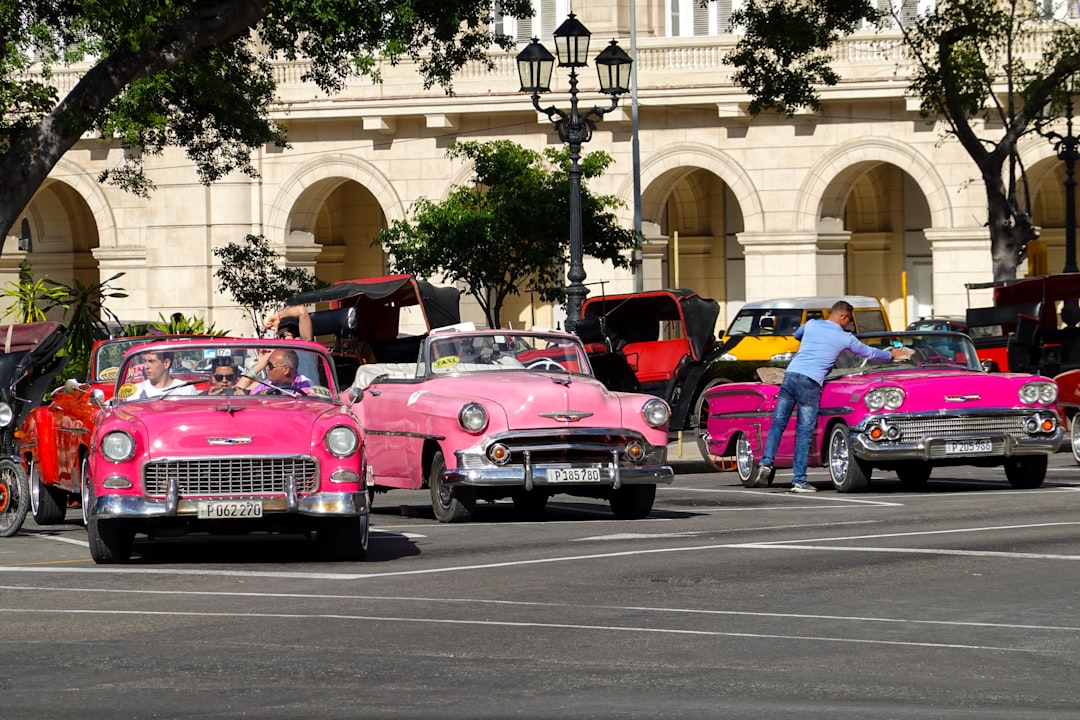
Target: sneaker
{"x": 763, "y": 478}
{"x": 803, "y": 488}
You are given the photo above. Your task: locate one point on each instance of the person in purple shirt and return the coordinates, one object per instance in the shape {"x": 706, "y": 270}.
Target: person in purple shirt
{"x": 281, "y": 373}
{"x": 821, "y": 342}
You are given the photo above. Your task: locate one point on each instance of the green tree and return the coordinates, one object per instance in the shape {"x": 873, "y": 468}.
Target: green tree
{"x": 32, "y": 297}
{"x": 508, "y": 231}
{"x": 196, "y": 74}
{"x": 253, "y": 274}
{"x": 968, "y": 68}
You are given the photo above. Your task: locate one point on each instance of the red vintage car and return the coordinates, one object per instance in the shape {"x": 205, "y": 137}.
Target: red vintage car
{"x": 1035, "y": 329}
{"x": 54, "y": 439}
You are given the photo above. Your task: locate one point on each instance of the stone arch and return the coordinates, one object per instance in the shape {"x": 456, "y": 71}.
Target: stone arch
{"x": 327, "y": 213}
{"x": 665, "y": 168}
{"x": 89, "y": 191}
{"x": 830, "y": 180}
{"x": 1045, "y": 176}
{"x": 328, "y": 172}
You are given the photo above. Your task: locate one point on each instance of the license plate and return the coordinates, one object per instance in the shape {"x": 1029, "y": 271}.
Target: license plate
{"x": 220, "y": 509}
{"x": 968, "y": 447}
{"x": 573, "y": 475}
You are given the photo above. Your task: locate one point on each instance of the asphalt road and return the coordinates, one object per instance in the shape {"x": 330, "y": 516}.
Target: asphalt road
{"x": 960, "y": 601}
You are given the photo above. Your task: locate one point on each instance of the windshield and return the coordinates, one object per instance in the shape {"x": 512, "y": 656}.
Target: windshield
{"x": 185, "y": 369}
{"x": 768, "y": 321}
{"x": 459, "y": 352}
{"x": 931, "y": 351}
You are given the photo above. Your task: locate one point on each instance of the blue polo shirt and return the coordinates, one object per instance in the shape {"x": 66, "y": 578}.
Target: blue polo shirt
{"x": 821, "y": 342}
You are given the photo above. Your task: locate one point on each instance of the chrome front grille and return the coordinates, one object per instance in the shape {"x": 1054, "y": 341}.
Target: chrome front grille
{"x": 567, "y": 447}
{"x": 230, "y": 476}
{"x": 918, "y": 427}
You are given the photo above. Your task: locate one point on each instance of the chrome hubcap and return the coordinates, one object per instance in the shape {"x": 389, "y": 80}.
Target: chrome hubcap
{"x": 744, "y": 459}
{"x": 838, "y": 454}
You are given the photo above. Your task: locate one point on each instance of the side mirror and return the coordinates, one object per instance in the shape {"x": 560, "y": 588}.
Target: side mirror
{"x": 71, "y": 385}
{"x": 989, "y": 366}
{"x": 97, "y": 396}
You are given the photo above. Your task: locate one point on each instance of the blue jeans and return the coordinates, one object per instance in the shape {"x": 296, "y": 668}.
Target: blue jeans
{"x": 795, "y": 391}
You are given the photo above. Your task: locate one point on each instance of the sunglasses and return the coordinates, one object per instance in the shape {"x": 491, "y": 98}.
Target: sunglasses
{"x": 231, "y": 377}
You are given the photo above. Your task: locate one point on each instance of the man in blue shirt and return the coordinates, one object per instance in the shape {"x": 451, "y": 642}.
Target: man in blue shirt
{"x": 821, "y": 342}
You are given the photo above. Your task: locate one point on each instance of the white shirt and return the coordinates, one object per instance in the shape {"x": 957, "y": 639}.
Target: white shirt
{"x": 145, "y": 390}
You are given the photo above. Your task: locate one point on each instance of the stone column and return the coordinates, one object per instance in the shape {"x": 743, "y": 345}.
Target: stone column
{"x": 794, "y": 264}
{"x": 961, "y": 255}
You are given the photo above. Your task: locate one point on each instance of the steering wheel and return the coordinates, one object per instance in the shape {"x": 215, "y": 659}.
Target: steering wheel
{"x": 545, "y": 363}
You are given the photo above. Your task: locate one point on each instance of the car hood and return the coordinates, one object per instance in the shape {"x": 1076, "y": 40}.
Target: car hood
{"x": 246, "y": 425}
{"x": 941, "y": 388}
{"x": 542, "y": 400}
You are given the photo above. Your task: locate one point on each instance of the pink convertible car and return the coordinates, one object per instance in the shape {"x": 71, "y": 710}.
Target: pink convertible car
{"x": 937, "y": 409}
{"x": 184, "y": 447}
{"x": 489, "y": 414}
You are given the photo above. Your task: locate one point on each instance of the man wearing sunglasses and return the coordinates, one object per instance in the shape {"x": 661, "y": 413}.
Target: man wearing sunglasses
{"x": 224, "y": 380}
{"x": 280, "y": 370}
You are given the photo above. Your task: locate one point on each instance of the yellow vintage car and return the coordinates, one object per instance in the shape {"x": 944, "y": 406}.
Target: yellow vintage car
{"x": 764, "y": 330}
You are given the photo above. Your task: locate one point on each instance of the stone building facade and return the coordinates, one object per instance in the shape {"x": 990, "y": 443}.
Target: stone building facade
{"x": 863, "y": 197}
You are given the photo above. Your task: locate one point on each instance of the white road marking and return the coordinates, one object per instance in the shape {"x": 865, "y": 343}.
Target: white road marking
{"x": 543, "y": 625}
{"x": 915, "y": 551}
{"x": 661, "y": 610}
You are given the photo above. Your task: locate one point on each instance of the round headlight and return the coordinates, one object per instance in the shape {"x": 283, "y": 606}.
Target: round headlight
{"x": 342, "y": 441}
{"x": 656, "y": 412}
{"x": 118, "y": 446}
{"x": 1038, "y": 392}
{"x": 1029, "y": 393}
{"x": 889, "y": 398}
{"x": 473, "y": 417}
{"x": 1048, "y": 393}
{"x": 6, "y": 415}
{"x": 894, "y": 397}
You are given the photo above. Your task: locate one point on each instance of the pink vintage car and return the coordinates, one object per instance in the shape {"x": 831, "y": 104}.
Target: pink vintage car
{"x": 937, "y": 409}
{"x": 490, "y": 414}
{"x": 184, "y": 447}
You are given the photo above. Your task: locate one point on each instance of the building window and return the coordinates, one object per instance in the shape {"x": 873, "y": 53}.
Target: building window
{"x": 686, "y": 18}
{"x": 547, "y": 15}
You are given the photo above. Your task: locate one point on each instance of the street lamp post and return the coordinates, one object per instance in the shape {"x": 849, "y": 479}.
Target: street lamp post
{"x": 535, "y": 64}
{"x": 1067, "y": 147}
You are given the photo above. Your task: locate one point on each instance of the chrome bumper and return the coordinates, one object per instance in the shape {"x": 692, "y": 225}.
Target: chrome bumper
{"x": 536, "y": 476}
{"x": 930, "y": 447}
{"x": 342, "y": 504}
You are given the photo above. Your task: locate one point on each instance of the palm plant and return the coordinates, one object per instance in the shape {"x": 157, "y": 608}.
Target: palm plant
{"x": 86, "y": 317}
{"x": 33, "y": 298}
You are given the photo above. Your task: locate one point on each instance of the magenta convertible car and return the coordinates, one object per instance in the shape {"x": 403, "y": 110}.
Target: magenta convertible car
{"x": 224, "y": 436}
{"x": 937, "y": 409}
{"x": 490, "y": 414}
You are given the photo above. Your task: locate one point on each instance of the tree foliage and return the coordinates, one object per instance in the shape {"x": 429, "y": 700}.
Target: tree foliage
{"x": 196, "y": 73}
{"x": 253, "y": 274}
{"x": 969, "y": 67}
{"x": 509, "y": 230}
